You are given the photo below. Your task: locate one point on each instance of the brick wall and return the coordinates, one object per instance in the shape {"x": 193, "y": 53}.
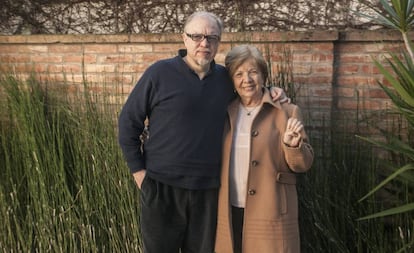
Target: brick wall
{"x": 333, "y": 70}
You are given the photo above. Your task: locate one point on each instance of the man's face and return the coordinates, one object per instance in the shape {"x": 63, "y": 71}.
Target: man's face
{"x": 201, "y": 52}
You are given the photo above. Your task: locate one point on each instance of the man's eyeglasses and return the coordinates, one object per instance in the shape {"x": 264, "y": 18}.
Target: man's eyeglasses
{"x": 200, "y": 37}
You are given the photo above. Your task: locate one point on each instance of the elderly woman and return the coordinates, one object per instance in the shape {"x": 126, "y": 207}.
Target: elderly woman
{"x": 265, "y": 145}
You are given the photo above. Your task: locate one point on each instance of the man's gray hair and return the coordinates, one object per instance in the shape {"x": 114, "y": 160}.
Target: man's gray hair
{"x": 205, "y": 14}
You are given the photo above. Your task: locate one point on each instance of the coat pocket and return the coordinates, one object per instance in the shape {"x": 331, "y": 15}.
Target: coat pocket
{"x": 284, "y": 180}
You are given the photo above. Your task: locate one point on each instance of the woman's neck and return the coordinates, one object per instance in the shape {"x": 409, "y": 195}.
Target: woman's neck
{"x": 252, "y": 101}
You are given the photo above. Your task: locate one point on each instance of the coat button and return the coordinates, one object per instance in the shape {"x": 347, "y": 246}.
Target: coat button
{"x": 252, "y": 192}
{"x": 255, "y": 133}
{"x": 255, "y": 163}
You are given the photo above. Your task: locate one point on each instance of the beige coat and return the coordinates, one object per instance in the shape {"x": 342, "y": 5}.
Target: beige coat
{"x": 271, "y": 211}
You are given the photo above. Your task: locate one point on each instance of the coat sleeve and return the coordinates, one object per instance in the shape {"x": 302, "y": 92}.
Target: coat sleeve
{"x": 299, "y": 159}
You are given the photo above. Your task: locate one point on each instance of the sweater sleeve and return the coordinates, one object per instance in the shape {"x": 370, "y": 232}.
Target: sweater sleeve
{"x": 131, "y": 122}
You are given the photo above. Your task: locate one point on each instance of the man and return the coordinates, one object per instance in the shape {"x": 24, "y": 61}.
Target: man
{"x": 185, "y": 100}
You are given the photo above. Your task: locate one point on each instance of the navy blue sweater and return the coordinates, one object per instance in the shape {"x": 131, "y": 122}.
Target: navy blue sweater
{"x": 186, "y": 118}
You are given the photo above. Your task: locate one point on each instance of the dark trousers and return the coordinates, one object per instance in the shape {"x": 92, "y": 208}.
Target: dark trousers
{"x": 174, "y": 219}
{"x": 237, "y": 215}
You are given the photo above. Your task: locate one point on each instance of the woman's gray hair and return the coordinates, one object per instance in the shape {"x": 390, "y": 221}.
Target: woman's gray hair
{"x": 206, "y": 14}
{"x": 240, "y": 54}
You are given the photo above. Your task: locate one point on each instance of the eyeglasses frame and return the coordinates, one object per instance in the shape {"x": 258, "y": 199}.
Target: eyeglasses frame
{"x": 203, "y": 36}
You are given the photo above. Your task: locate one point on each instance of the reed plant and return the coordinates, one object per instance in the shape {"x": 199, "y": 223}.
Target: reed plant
{"x": 329, "y": 196}
{"x": 63, "y": 184}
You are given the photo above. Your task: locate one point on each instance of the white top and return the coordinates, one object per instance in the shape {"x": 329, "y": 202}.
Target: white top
{"x": 240, "y": 155}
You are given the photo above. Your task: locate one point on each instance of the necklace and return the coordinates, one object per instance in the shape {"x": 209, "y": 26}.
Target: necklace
{"x": 249, "y": 112}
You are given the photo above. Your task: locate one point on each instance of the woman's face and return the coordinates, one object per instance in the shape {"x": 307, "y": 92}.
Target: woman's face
{"x": 248, "y": 81}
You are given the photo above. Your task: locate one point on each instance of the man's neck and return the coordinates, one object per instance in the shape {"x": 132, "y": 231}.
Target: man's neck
{"x": 200, "y": 70}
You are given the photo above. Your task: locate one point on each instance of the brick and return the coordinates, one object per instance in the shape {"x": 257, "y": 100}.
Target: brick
{"x": 89, "y": 58}
{"x": 75, "y": 78}
{"x": 302, "y": 47}
{"x": 15, "y": 58}
{"x": 135, "y": 48}
{"x": 348, "y": 69}
{"x": 219, "y": 59}
{"x": 345, "y": 92}
{"x": 46, "y": 58}
{"x": 63, "y": 48}
{"x": 27, "y": 49}
{"x": 99, "y": 68}
{"x": 351, "y": 48}
{"x": 132, "y": 68}
{"x": 320, "y": 68}
{"x": 28, "y": 68}
{"x": 151, "y": 58}
{"x": 328, "y": 47}
{"x": 369, "y": 104}
{"x": 377, "y": 93}
{"x": 100, "y": 48}
{"x": 114, "y": 59}
{"x": 354, "y": 80}
{"x": 302, "y": 58}
{"x": 302, "y": 69}
{"x": 224, "y": 48}
{"x": 322, "y": 57}
{"x": 347, "y": 104}
{"x": 370, "y": 69}
{"x": 169, "y": 48}
{"x": 155, "y": 38}
{"x": 65, "y": 68}
{"x": 355, "y": 58}
{"x": 321, "y": 92}
{"x": 319, "y": 80}
{"x": 374, "y": 48}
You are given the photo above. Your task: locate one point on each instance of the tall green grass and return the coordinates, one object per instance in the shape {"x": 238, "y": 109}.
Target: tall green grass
{"x": 63, "y": 184}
